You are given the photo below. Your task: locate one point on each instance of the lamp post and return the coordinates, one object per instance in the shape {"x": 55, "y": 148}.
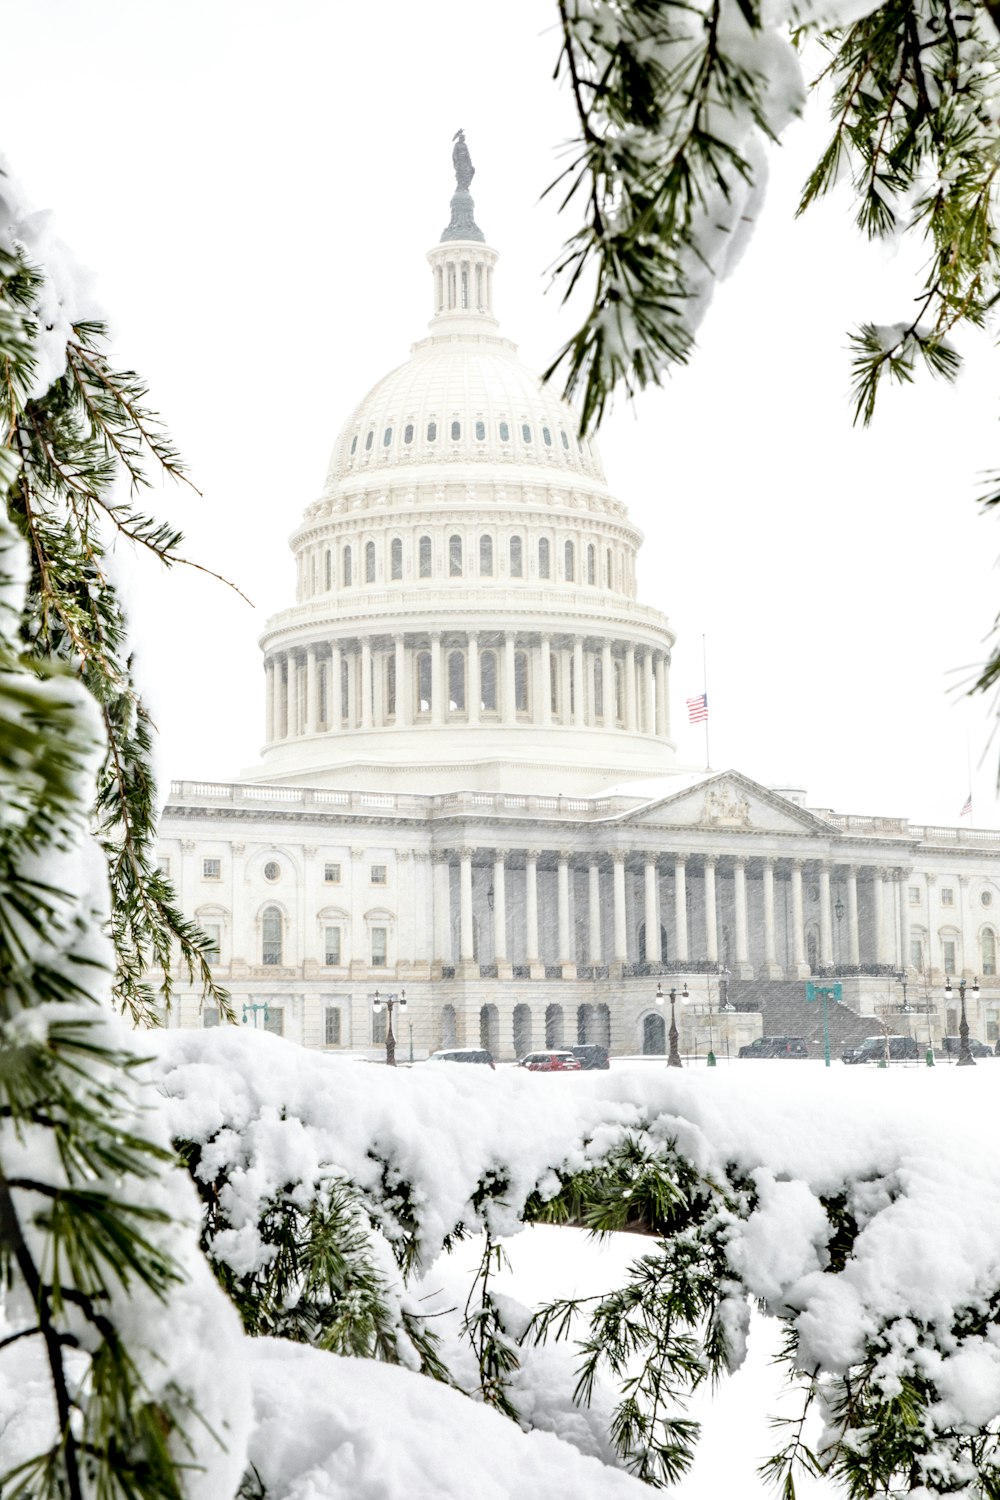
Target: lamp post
{"x": 389, "y": 1001}
{"x": 902, "y": 979}
{"x": 965, "y": 1057}
{"x": 674, "y": 1059}
{"x": 253, "y": 1007}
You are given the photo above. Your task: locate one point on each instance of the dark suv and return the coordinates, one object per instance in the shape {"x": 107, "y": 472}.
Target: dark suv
{"x": 464, "y": 1055}
{"x": 876, "y": 1048}
{"x": 591, "y": 1055}
{"x": 952, "y": 1046}
{"x": 776, "y": 1046}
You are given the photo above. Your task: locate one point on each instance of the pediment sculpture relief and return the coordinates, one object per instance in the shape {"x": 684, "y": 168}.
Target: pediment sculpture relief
{"x": 723, "y": 805}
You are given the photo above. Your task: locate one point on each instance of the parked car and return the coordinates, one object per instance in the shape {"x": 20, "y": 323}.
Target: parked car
{"x": 952, "y": 1046}
{"x": 550, "y": 1062}
{"x": 591, "y": 1055}
{"x": 873, "y": 1049}
{"x": 776, "y": 1046}
{"x": 464, "y": 1055}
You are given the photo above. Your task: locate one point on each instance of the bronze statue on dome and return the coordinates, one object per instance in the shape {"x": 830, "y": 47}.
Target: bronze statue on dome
{"x": 462, "y": 161}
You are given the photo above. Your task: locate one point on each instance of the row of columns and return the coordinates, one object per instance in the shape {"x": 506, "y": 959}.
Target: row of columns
{"x": 292, "y": 684}
{"x": 886, "y": 950}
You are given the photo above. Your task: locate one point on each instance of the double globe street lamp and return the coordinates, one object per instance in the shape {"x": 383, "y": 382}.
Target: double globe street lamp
{"x": 389, "y": 1001}
{"x": 674, "y": 1058}
{"x": 965, "y": 1057}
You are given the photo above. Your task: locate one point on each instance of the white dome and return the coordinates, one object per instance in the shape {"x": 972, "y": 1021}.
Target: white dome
{"x": 462, "y": 399}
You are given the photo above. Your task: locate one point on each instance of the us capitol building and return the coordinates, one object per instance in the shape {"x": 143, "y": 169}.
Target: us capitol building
{"x": 468, "y": 786}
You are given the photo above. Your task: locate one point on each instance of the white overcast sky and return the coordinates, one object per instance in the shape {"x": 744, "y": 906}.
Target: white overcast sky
{"x": 255, "y": 187}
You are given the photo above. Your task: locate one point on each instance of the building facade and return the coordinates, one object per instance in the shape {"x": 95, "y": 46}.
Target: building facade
{"x": 468, "y": 787}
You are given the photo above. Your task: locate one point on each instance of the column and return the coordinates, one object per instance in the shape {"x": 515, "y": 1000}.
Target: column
{"x": 594, "y": 912}
{"x": 661, "y": 695}
{"x": 711, "y": 921}
{"x": 853, "y": 931}
{"x": 531, "y": 913}
{"x": 465, "y": 940}
{"x": 335, "y": 699}
{"x": 312, "y": 692}
{"x": 500, "y": 915}
{"x": 366, "y": 683}
{"x": 579, "y": 695}
{"x": 654, "y": 952}
{"x": 473, "y": 693}
{"x": 740, "y": 897}
{"x": 442, "y": 908}
{"x": 404, "y": 694}
{"x": 650, "y": 694}
{"x": 620, "y": 954}
{"x": 289, "y": 694}
{"x": 878, "y": 902}
{"x": 825, "y": 918}
{"x": 565, "y": 946}
{"x": 904, "y": 921}
{"x": 269, "y": 701}
{"x": 509, "y": 678}
{"x": 630, "y": 688}
{"x": 771, "y": 970}
{"x": 565, "y": 692}
{"x": 608, "y": 686}
{"x": 545, "y": 682}
{"x": 680, "y": 909}
{"x": 437, "y": 679}
{"x": 801, "y": 967}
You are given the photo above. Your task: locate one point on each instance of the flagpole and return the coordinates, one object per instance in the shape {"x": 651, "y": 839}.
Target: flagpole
{"x": 968, "y": 767}
{"x": 704, "y": 688}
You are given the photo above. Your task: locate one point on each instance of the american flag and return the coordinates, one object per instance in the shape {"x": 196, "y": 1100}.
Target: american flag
{"x": 698, "y": 709}
{"x": 967, "y": 808}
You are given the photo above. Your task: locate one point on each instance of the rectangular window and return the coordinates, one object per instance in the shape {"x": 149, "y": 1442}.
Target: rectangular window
{"x": 213, "y": 932}
{"x": 331, "y": 946}
{"x": 211, "y": 869}
{"x": 331, "y": 874}
{"x": 379, "y": 947}
{"x": 948, "y": 955}
{"x": 914, "y": 895}
{"x": 274, "y": 1021}
{"x": 992, "y": 1017}
{"x": 210, "y": 1015}
{"x": 916, "y": 953}
{"x": 331, "y": 1026}
{"x": 947, "y": 895}
{"x": 378, "y": 1025}
{"x": 379, "y": 875}
{"x": 163, "y": 865}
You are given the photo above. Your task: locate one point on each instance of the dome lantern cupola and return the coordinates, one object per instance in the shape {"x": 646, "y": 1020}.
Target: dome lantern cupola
{"x": 462, "y": 263}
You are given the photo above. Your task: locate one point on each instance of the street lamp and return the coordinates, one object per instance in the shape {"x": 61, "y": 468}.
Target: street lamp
{"x": 902, "y": 979}
{"x": 674, "y": 1059}
{"x": 390, "y": 1041}
{"x": 965, "y": 1057}
{"x": 254, "y": 1007}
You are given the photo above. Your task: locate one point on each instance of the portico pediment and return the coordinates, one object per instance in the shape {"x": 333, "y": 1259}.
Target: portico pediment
{"x": 729, "y": 802}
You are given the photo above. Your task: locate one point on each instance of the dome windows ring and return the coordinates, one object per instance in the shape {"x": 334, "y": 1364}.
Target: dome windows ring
{"x": 565, "y": 440}
{"x": 408, "y": 433}
{"x": 456, "y": 431}
{"x": 547, "y": 437}
{"x": 354, "y": 445}
{"x": 526, "y": 432}
{"x": 369, "y": 440}
{"x": 387, "y": 437}
{"x": 504, "y": 432}
{"x": 432, "y": 432}
{"x": 480, "y": 432}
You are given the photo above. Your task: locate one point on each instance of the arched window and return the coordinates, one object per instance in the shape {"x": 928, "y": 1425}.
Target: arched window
{"x": 480, "y": 432}
{"x": 521, "y": 682}
{"x": 504, "y": 432}
{"x": 569, "y": 562}
{"x": 369, "y": 562}
{"x": 488, "y": 682}
{"x": 387, "y": 437}
{"x": 396, "y": 558}
{"x": 456, "y": 431}
{"x": 271, "y": 935}
{"x": 553, "y": 1026}
{"x": 565, "y": 439}
{"x": 989, "y": 947}
{"x": 348, "y": 576}
{"x": 546, "y": 437}
{"x": 591, "y": 564}
{"x": 354, "y": 445}
{"x": 456, "y": 681}
{"x": 425, "y": 557}
{"x": 369, "y": 440}
{"x": 455, "y": 556}
{"x": 423, "y": 682}
{"x": 526, "y": 432}
{"x": 516, "y": 557}
{"x": 486, "y": 556}
{"x": 408, "y": 433}
{"x": 544, "y": 562}
{"x": 328, "y": 570}
{"x": 432, "y": 432}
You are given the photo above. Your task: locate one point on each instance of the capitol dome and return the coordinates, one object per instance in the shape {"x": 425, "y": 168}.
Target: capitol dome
{"x": 465, "y": 611}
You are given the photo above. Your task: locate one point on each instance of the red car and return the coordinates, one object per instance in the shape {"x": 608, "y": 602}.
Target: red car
{"x": 550, "y": 1062}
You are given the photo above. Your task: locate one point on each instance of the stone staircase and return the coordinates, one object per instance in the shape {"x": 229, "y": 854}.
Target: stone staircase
{"x": 786, "y": 1012}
